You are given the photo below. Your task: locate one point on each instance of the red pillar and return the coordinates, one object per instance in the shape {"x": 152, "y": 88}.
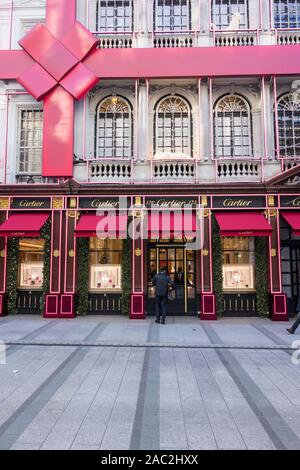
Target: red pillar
{"x": 137, "y": 307}
{"x": 208, "y": 304}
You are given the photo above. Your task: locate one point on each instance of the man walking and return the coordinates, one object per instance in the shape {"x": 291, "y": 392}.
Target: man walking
{"x": 295, "y": 325}
{"x": 162, "y": 282}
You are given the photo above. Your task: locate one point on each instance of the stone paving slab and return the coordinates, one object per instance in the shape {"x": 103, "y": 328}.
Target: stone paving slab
{"x": 110, "y": 383}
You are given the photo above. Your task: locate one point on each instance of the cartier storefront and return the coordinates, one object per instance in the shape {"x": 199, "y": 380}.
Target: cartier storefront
{"x": 76, "y": 254}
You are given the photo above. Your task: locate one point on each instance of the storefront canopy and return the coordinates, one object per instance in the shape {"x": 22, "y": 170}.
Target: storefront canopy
{"x": 92, "y": 225}
{"x": 169, "y": 224}
{"x": 243, "y": 224}
{"x": 293, "y": 219}
{"x": 23, "y": 224}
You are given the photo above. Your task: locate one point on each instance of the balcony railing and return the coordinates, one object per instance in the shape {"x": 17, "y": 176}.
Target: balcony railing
{"x": 243, "y": 170}
{"x": 287, "y": 37}
{"x": 115, "y": 41}
{"x": 110, "y": 171}
{"x": 235, "y": 38}
{"x": 180, "y": 171}
{"x": 163, "y": 40}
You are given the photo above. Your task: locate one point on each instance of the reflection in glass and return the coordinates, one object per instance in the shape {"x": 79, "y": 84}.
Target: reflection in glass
{"x": 31, "y": 263}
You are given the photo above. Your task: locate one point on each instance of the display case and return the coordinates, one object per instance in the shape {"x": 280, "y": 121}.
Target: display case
{"x": 238, "y": 277}
{"x": 105, "y": 277}
{"x": 31, "y": 275}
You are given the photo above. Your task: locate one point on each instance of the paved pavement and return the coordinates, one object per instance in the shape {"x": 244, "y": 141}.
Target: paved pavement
{"x": 110, "y": 383}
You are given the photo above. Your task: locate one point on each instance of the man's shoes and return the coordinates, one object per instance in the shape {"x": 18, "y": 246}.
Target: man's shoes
{"x": 290, "y": 331}
{"x": 157, "y": 321}
{"x": 163, "y": 322}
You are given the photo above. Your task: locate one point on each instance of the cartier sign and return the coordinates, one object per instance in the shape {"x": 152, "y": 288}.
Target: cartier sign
{"x": 29, "y": 203}
{"x": 101, "y": 203}
{"x": 290, "y": 201}
{"x": 170, "y": 203}
{"x": 238, "y": 202}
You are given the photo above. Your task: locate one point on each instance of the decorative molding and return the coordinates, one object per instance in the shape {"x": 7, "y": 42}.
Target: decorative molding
{"x": 71, "y": 253}
{"x": 4, "y": 203}
{"x": 205, "y": 252}
{"x": 138, "y": 252}
{"x": 58, "y": 203}
{"x": 56, "y": 253}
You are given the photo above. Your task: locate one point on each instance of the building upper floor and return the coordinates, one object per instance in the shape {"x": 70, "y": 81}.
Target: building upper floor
{"x": 189, "y": 131}
{"x": 166, "y": 23}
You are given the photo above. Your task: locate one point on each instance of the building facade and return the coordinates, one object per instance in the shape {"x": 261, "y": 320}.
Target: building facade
{"x": 180, "y": 118}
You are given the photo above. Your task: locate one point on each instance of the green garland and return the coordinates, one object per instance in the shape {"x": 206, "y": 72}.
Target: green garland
{"x": 261, "y": 276}
{"x": 46, "y": 235}
{"x": 12, "y": 274}
{"x": 217, "y": 267}
{"x": 126, "y": 276}
{"x": 82, "y": 293}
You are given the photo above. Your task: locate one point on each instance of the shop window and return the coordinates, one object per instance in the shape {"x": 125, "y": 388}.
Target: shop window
{"x": 172, "y": 15}
{"x": 288, "y": 111}
{"x": 31, "y": 263}
{"x": 232, "y": 127}
{"x": 173, "y": 128}
{"x": 105, "y": 269}
{"x": 238, "y": 255}
{"x": 114, "y": 16}
{"x": 230, "y": 14}
{"x": 286, "y": 14}
{"x": 30, "y": 139}
{"x": 114, "y": 128}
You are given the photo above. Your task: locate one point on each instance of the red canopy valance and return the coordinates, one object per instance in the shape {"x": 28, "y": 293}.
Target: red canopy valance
{"x": 243, "y": 224}
{"x": 24, "y": 224}
{"x": 293, "y": 219}
{"x": 92, "y": 225}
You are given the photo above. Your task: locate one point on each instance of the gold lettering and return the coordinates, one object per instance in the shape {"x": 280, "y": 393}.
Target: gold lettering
{"x": 26, "y": 203}
{"x": 236, "y": 203}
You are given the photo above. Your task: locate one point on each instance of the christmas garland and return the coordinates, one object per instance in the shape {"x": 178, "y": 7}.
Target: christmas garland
{"x": 82, "y": 293}
{"x": 46, "y": 235}
{"x": 261, "y": 272}
{"x": 126, "y": 276}
{"x": 217, "y": 267}
{"x": 12, "y": 274}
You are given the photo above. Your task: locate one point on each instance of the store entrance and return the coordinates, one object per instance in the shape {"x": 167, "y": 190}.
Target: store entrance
{"x": 180, "y": 265}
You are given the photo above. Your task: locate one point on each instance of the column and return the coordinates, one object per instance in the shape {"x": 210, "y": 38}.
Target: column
{"x": 278, "y": 298}
{"x": 4, "y": 204}
{"x": 137, "y": 310}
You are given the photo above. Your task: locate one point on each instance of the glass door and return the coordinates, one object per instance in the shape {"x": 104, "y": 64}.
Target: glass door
{"x": 180, "y": 266}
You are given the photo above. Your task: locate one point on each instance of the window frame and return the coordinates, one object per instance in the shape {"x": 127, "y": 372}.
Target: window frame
{"x": 222, "y": 27}
{"x": 216, "y": 127}
{"x": 156, "y": 148}
{"x": 277, "y": 114}
{"x": 288, "y": 14}
{"x": 113, "y": 137}
{"x": 172, "y": 28}
{"x": 29, "y": 163}
{"x": 115, "y": 29}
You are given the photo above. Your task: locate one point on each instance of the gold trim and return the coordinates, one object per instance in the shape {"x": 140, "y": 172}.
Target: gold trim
{"x": 204, "y": 201}
{"x": 56, "y": 253}
{"x": 71, "y": 214}
{"x": 138, "y": 201}
{"x": 71, "y": 253}
{"x": 4, "y": 203}
{"x": 272, "y": 213}
{"x": 2, "y": 253}
{"x": 138, "y": 252}
{"x": 273, "y": 252}
{"x": 58, "y": 203}
{"x": 271, "y": 200}
{"x": 73, "y": 202}
{"x": 205, "y": 252}
{"x": 206, "y": 213}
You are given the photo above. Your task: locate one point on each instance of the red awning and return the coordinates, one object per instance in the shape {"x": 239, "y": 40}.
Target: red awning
{"x": 293, "y": 219}
{"x": 243, "y": 224}
{"x": 92, "y": 225}
{"x": 166, "y": 224}
{"x": 23, "y": 224}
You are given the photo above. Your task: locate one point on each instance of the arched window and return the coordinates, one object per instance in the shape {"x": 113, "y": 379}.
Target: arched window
{"x": 173, "y": 127}
{"x": 114, "y": 16}
{"x": 114, "y": 128}
{"x": 286, "y": 14}
{"x": 230, "y": 14}
{"x": 288, "y": 111}
{"x": 233, "y": 128}
{"x": 172, "y": 15}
